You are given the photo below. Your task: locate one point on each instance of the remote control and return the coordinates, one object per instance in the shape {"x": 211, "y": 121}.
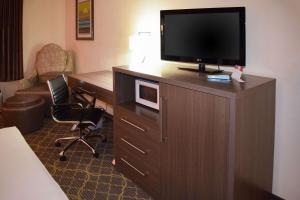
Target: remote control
{"x": 219, "y": 77}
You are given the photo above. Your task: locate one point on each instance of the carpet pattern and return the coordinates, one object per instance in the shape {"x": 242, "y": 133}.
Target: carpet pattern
{"x": 82, "y": 177}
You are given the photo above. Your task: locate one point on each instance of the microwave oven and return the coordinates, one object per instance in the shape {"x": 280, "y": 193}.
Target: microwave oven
{"x": 147, "y": 93}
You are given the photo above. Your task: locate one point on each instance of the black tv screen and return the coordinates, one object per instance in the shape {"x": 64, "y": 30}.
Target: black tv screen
{"x": 210, "y": 35}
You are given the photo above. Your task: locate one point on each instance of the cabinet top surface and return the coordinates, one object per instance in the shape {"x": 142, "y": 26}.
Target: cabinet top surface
{"x": 170, "y": 74}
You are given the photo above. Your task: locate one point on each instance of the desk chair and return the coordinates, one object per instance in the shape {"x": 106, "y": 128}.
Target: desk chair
{"x": 87, "y": 119}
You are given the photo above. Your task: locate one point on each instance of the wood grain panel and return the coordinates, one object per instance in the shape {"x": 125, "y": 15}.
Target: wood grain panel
{"x": 124, "y": 87}
{"x": 255, "y": 144}
{"x": 139, "y": 172}
{"x": 99, "y": 82}
{"x": 170, "y": 74}
{"x": 143, "y": 121}
{"x": 140, "y": 145}
{"x": 194, "y": 156}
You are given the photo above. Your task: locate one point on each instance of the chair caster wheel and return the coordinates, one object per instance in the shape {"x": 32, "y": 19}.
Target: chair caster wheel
{"x": 96, "y": 155}
{"x": 57, "y": 144}
{"x": 62, "y": 158}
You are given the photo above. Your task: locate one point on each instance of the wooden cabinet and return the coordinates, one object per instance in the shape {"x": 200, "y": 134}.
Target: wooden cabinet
{"x": 209, "y": 140}
{"x": 195, "y": 153}
{"x": 138, "y": 151}
{"x": 136, "y": 137}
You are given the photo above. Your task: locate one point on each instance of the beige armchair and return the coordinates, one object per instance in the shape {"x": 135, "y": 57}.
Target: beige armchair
{"x": 50, "y": 62}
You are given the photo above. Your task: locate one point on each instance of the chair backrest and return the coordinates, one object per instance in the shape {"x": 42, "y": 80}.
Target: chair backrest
{"x": 52, "y": 58}
{"x": 58, "y": 89}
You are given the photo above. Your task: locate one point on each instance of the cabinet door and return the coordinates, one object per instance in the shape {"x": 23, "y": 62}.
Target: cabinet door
{"x": 195, "y": 144}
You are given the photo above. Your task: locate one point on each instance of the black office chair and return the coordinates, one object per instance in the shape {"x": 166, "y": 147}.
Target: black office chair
{"x": 87, "y": 119}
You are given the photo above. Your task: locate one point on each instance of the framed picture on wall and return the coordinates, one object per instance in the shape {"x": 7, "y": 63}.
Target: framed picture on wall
{"x": 84, "y": 19}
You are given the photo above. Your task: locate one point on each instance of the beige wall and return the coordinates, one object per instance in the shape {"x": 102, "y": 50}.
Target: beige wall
{"x": 273, "y": 49}
{"x": 113, "y": 21}
{"x": 8, "y": 89}
{"x": 43, "y": 22}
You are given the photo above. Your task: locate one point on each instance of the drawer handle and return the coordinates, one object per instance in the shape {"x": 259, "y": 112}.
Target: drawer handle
{"x": 132, "y": 124}
{"x": 133, "y": 146}
{"x": 130, "y": 165}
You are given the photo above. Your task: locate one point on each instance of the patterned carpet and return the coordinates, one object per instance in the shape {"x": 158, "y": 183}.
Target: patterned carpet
{"x": 82, "y": 177}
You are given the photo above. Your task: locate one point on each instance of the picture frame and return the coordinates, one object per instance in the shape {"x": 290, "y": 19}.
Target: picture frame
{"x": 84, "y": 19}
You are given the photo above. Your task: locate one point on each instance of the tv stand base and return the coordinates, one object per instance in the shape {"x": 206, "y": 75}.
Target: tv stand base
{"x": 202, "y": 69}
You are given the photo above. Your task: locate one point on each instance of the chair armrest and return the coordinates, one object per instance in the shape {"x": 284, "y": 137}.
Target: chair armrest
{"x": 69, "y": 65}
{"x": 79, "y": 91}
{"x": 85, "y": 91}
{"x": 70, "y": 105}
{"x": 61, "y": 113}
{"x": 29, "y": 80}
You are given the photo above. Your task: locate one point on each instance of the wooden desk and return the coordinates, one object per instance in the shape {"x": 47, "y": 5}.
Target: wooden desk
{"x": 100, "y": 82}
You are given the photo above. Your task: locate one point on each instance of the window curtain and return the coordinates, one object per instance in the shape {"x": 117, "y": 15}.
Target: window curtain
{"x": 11, "y": 43}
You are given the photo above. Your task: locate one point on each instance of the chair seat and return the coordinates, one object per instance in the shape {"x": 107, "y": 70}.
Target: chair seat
{"x": 75, "y": 115}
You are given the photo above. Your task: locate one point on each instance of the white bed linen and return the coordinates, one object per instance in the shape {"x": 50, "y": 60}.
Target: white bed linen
{"x": 22, "y": 175}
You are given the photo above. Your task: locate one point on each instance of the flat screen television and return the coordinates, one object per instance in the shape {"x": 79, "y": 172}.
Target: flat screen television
{"x": 214, "y": 36}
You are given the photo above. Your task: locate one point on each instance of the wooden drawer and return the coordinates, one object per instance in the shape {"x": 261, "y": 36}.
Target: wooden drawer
{"x": 144, "y": 149}
{"x": 137, "y": 145}
{"x": 139, "y": 172}
{"x": 135, "y": 120}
